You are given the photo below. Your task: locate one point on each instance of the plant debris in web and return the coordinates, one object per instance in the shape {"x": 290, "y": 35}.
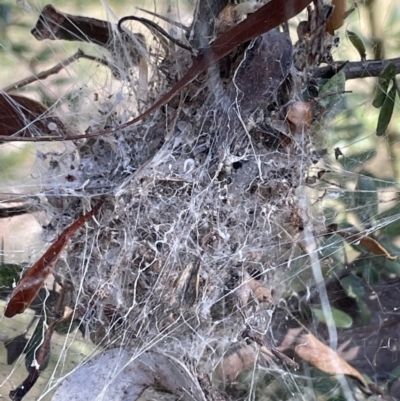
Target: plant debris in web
{"x": 199, "y": 159}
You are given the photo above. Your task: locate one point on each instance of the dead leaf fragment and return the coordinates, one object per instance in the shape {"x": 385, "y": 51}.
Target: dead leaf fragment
{"x": 27, "y": 117}
{"x": 239, "y": 358}
{"x": 324, "y": 358}
{"x": 31, "y": 283}
{"x": 255, "y": 288}
{"x": 337, "y": 17}
{"x": 227, "y": 19}
{"x": 370, "y": 244}
{"x": 300, "y": 115}
{"x": 186, "y": 286}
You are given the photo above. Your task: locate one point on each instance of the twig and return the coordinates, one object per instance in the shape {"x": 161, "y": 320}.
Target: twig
{"x": 357, "y": 69}
{"x": 155, "y": 26}
{"x": 169, "y": 20}
{"x": 45, "y": 74}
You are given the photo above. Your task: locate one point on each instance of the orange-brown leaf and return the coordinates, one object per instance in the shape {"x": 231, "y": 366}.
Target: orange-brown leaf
{"x": 324, "y": 358}
{"x": 370, "y": 244}
{"x": 300, "y": 115}
{"x": 238, "y": 358}
{"x": 30, "y": 284}
{"x": 337, "y": 17}
{"x": 19, "y": 114}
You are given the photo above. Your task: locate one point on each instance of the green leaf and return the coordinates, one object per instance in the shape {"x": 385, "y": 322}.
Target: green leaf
{"x": 358, "y": 44}
{"x": 385, "y": 115}
{"x": 365, "y": 312}
{"x": 353, "y": 286}
{"x": 342, "y": 320}
{"x": 9, "y": 275}
{"x": 387, "y": 74}
{"x": 369, "y": 268}
{"x": 5, "y": 14}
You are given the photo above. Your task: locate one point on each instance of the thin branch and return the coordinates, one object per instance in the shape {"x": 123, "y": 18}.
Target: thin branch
{"x": 169, "y": 20}
{"x": 358, "y": 69}
{"x": 45, "y": 74}
{"x": 157, "y": 28}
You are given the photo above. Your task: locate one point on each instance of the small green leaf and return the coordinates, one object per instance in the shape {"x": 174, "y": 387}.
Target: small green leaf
{"x": 332, "y": 247}
{"x": 386, "y": 112}
{"x": 358, "y": 44}
{"x": 352, "y": 286}
{"x": 9, "y": 275}
{"x": 342, "y": 320}
{"x": 387, "y": 74}
{"x": 365, "y": 312}
{"x": 369, "y": 268}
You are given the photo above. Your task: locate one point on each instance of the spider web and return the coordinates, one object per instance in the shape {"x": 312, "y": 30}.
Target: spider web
{"x": 212, "y": 223}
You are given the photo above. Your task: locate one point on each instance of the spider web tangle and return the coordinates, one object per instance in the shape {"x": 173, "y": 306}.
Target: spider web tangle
{"x": 243, "y": 244}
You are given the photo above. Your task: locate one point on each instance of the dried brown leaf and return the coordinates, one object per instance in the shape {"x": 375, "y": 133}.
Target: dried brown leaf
{"x": 300, "y": 115}
{"x": 238, "y": 359}
{"x": 23, "y": 116}
{"x": 255, "y": 288}
{"x": 337, "y": 17}
{"x": 370, "y": 244}
{"x": 31, "y": 283}
{"x": 324, "y": 358}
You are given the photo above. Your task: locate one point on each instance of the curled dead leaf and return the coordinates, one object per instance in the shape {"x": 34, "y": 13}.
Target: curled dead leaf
{"x": 370, "y": 244}
{"x": 255, "y": 288}
{"x": 27, "y": 117}
{"x": 31, "y": 283}
{"x": 227, "y": 19}
{"x": 300, "y": 115}
{"x": 338, "y": 15}
{"x": 186, "y": 286}
{"x": 324, "y": 358}
{"x": 239, "y": 358}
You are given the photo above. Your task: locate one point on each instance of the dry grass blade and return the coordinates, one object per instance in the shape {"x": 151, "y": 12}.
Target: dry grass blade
{"x": 30, "y": 284}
